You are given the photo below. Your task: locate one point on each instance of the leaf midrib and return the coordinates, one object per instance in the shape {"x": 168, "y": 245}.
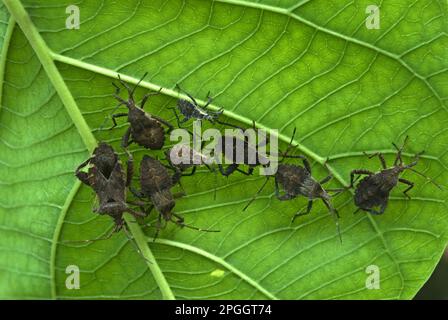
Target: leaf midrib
{"x": 218, "y": 260}
{"x": 42, "y": 51}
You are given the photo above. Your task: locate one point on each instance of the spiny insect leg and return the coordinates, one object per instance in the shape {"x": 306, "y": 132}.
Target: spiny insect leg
{"x": 409, "y": 183}
{"x": 125, "y": 142}
{"x": 308, "y": 210}
{"x": 114, "y": 119}
{"x": 83, "y": 176}
{"x": 326, "y": 179}
{"x": 146, "y": 96}
{"x": 359, "y": 172}
{"x": 379, "y": 155}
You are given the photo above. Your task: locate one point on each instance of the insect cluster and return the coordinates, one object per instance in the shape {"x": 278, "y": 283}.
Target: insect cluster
{"x": 111, "y": 182}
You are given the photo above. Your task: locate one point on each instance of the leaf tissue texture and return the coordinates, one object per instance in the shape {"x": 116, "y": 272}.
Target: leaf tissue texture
{"x": 309, "y": 64}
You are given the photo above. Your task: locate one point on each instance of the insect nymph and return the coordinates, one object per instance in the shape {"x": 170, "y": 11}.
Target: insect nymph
{"x": 373, "y": 191}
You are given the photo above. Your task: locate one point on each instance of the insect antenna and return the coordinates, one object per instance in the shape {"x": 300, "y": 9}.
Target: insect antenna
{"x": 183, "y": 224}
{"x": 131, "y": 94}
{"x": 137, "y": 84}
{"x": 285, "y": 154}
{"x": 400, "y": 150}
{"x": 409, "y": 167}
{"x": 427, "y": 178}
{"x": 134, "y": 244}
{"x": 108, "y": 117}
{"x": 335, "y": 215}
{"x": 114, "y": 230}
{"x": 255, "y": 195}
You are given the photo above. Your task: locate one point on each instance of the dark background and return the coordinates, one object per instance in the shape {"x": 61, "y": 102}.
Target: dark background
{"x": 437, "y": 286}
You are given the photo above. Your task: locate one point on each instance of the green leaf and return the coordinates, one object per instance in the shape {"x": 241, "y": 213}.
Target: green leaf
{"x": 306, "y": 64}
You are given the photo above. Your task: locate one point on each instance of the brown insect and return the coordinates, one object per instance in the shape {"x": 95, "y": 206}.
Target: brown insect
{"x": 251, "y": 157}
{"x": 192, "y": 110}
{"x": 296, "y": 181}
{"x": 373, "y": 190}
{"x": 145, "y": 129}
{"x": 193, "y": 158}
{"x": 109, "y": 181}
{"x": 156, "y": 184}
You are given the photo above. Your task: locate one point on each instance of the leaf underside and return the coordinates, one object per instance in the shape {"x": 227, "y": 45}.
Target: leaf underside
{"x": 312, "y": 65}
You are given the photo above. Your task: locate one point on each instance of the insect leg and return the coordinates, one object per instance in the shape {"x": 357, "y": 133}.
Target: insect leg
{"x": 158, "y": 227}
{"x": 179, "y": 123}
{"x": 136, "y": 214}
{"x": 360, "y": 171}
{"x": 180, "y": 222}
{"x": 278, "y": 195}
{"x": 277, "y": 189}
{"x": 255, "y": 195}
{"x": 129, "y": 169}
{"x": 308, "y": 210}
{"x": 192, "y": 172}
{"x": 229, "y": 170}
{"x": 140, "y": 204}
{"x": 227, "y": 124}
{"x": 146, "y": 96}
{"x": 379, "y": 155}
{"x": 189, "y": 96}
{"x": 335, "y": 214}
{"x": 285, "y": 154}
{"x": 326, "y": 179}
{"x": 110, "y": 234}
{"x": 306, "y": 163}
{"x": 125, "y": 142}
{"x": 114, "y": 119}
{"x": 169, "y": 125}
{"x": 409, "y": 183}
{"x": 209, "y": 100}
{"x": 83, "y": 176}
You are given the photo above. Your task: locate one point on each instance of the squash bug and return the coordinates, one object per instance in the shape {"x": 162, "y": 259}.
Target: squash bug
{"x": 192, "y": 110}
{"x": 297, "y": 181}
{"x": 373, "y": 190}
{"x": 145, "y": 129}
{"x": 251, "y": 156}
{"x": 156, "y": 182}
{"x": 107, "y": 178}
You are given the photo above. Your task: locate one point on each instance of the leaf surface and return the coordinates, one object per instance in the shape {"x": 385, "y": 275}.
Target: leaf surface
{"x": 305, "y": 64}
